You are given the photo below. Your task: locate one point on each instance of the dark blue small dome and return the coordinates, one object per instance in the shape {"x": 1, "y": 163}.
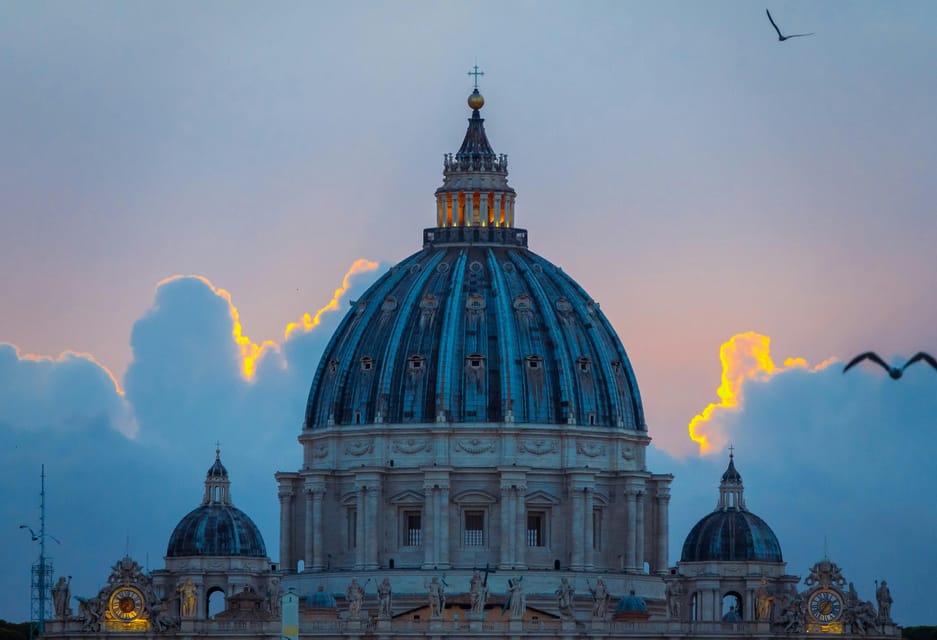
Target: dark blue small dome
{"x": 216, "y": 530}
{"x": 733, "y": 534}
{"x": 320, "y": 600}
{"x": 632, "y": 603}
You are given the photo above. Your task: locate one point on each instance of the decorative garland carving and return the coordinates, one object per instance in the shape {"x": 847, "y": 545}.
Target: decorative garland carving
{"x": 411, "y": 445}
{"x": 538, "y": 447}
{"x": 590, "y": 449}
{"x": 359, "y": 447}
{"x": 320, "y": 451}
{"x": 476, "y": 445}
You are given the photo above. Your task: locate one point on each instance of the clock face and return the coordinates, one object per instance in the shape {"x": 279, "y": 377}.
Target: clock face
{"x": 825, "y": 606}
{"x": 126, "y": 604}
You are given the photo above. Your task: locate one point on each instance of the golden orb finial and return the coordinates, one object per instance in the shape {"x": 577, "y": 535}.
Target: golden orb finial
{"x": 476, "y": 101}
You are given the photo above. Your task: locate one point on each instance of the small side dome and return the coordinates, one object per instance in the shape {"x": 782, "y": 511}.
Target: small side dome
{"x": 731, "y": 532}
{"x": 217, "y": 527}
{"x": 731, "y": 536}
{"x": 631, "y": 602}
{"x": 216, "y": 530}
{"x": 320, "y": 599}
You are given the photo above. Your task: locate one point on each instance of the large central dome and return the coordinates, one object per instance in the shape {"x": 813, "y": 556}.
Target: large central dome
{"x": 475, "y": 327}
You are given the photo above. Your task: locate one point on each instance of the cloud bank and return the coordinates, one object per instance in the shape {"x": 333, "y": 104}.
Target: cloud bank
{"x": 830, "y": 461}
{"x": 124, "y": 465}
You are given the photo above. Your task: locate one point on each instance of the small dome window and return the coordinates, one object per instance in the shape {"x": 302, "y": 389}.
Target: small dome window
{"x": 475, "y": 267}
{"x": 534, "y": 362}
{"x": 616, "y": 366}
{"x": 390, "y": 304}
{"x": 333, "y": 366}
{"x": 367, "y": 363}
{"x": 583, "y": 364}
{"x": 416, "y": 268}
{"x": 522, "y": 302}
{"x": 429, "y": 302}
{"x": 475, "y": 302}
{"x": 416, "y": 363}
{"x": 563, "y": 305}
{"x": 475, "y": 360}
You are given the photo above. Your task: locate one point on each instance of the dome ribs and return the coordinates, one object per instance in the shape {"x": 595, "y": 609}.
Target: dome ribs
{"x": 475, "y": 334}
{"x": 391, "y": 368}
{"x": 444, "y": 408}
{"x": 507, "y": 342}
{"x": 565, "y": 408}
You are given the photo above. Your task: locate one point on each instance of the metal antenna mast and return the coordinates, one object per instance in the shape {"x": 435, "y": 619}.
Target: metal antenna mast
{"x": 41, "y": 570}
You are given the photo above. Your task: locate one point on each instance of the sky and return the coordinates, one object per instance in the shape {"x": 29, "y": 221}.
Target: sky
{"x": 182, "y": 182}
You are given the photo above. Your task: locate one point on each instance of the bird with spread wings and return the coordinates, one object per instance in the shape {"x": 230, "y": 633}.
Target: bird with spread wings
{"x": 782, "y": 37}
{"x": 894, "y": 372}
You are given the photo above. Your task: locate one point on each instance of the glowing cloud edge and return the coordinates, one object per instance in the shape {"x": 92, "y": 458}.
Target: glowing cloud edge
{"x": 744, "y": 356}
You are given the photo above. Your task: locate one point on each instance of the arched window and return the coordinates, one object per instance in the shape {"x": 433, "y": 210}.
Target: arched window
{"x": 216, "y": 601}
{"x": 732, "y": 606}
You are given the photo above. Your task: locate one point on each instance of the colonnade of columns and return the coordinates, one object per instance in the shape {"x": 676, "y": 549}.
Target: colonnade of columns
{"x": 577, "y": 516}
{"x": 459, "y": 209}
{"x": 435, "y": 520}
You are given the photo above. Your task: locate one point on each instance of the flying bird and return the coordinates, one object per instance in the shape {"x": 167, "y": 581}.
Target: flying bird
{"x": 782, "y": 37}
{"x": 894, "y": 372}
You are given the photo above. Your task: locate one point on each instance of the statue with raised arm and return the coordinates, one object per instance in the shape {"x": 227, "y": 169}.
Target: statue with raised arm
{"x": 354, "y": 594}
{"x": 564, "y": 599}
{"x": 384, "y": 606}
{"x": 600, "y": 598}
{"x": 478, "y": 593}
{"x": 437, "y": 598}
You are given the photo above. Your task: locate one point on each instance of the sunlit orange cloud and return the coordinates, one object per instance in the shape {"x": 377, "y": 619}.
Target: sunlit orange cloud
{"x": 65, "y": 355}
{"x": 251, "y": 351}
{"x": 746, "y": 356}
{"x": 308, "y": 322}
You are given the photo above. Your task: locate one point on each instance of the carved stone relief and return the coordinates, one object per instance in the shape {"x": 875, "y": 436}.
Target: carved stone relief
{"x": 476, "y": 445}
{"x": 538, "y": 447}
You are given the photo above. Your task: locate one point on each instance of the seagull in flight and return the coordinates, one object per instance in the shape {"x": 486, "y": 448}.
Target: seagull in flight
{"x": 894, "y": 372}
{"x": 781, "y": 37}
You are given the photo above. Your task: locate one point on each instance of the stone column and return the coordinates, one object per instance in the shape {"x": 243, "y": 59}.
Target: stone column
{"x": 520, "y": 529}
{"x": 663, "y": 530}
{"x": 285, "y": 493}
{"x": 360, "y": 531}
{"x": 310, "y": 538}
{"x": 483, "y": 206}
{"x": 317, "y": 555}
{"x": 497, "y": 211}
{"x": 587, "y": 534}
{"x": 507, "y": 526}
{"x": 577, "y": 561}
{"x": 443, "y": 544}
{"x": 372, "y": 526}
{"x": 631, "y": 534}
{"x": 429, "y": 526}
{"x": 469, "y": 205}
{"x": 639, "y": 532}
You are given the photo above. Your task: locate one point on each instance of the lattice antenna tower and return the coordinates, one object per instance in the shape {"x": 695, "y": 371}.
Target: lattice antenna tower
{"x": 41, "y": 581}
